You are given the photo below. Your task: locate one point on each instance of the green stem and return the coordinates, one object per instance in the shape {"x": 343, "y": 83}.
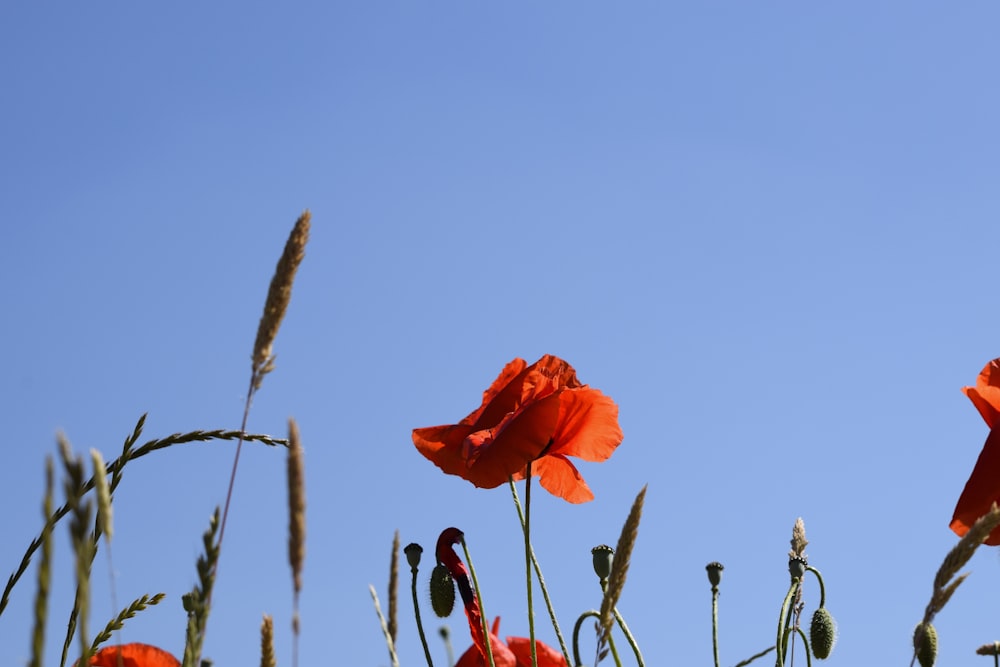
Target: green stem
{"x": 576, "y": 634}
{"x": 822, "y": 586}
{"x": 527, "y": 563}
{"x": 715, "y": 624}
{"x": 541, "y": 579}
{"x": 629, "y": 637}
{"x": 420, "y": 625}
{"x": 806, "y": 643}
{"x": 576, "y": 639}
{"x": 482, "y": 608}
{"x": 782, "y": 621}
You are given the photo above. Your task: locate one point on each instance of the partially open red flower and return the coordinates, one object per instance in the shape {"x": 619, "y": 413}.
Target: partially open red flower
{"x": 983, "y": 487}
{"x": 133, "y": 655}
{"x": 516, "y": 653}
{"x": 539, "y": 414}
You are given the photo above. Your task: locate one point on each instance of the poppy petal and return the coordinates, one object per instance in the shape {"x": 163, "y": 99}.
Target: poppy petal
{"x": 502, "y": 397}
{"x": 133, "y": 655}
{"x": 502, "y": 656}
{"x": 588, "y": 425}
{"x": 547, "y": 656}
{"x": 981, "y": 491}
{"x": 561, "y": 478}
{"x": 986, "y": 394}
{"x": 496, "y": 454}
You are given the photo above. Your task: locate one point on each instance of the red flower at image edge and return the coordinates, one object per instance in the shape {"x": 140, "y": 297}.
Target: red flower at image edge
{"x": 133, "y": 655}
{"x": 539, "y": 414}
{"x": 983, "y": 487}
{"x": 517, "y": 652}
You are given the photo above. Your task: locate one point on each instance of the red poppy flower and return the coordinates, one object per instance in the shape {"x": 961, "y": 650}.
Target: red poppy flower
{"x": 539, "y": 414}
{"x": 983, "y": 487}
{"x": 517, "y": 651}
{"x": 133, "y": 655}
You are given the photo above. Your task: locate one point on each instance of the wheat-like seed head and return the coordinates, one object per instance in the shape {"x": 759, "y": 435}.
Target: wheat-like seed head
{"x": 619, "y": 567}
{"x": 278, "y": 296}
{"x": 296, "y": 506}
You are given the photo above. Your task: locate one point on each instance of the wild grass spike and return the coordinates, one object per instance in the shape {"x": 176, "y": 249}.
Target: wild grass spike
{"x": 619, "y": 566}
{"x": 296, "y": 506}
{"x": 267, "y": 658}
{"x": 278, "y": 296}
{"x": 394, "y": 586}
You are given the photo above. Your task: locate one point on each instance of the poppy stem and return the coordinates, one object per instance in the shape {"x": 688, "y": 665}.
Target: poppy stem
{"x": 527, "y": 562}
{"x": 822, "y": 586}
{"x": 416, "y": 613}
{"x": 576, "y": 639}
{"x": 541, "y": 579}
{"x": 715, "y": 624}
{"x": 482, "y": 608}
{"x": 784, "y": 620}
{"x": 629, "y": 637}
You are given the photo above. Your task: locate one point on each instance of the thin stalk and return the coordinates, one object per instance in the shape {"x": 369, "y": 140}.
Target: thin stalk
{"x": 527, "y": 563}
{"x": 420, "y": 625}
{"x": 576, "y": 639}
{"x": 629, "y": 637}
{"x": 715, "y": 624}
{"x": 541, "y": 579}
{"x": 782, "y": 622}
{"x": 482, "y": 608}
{"x": 806, "y": 642}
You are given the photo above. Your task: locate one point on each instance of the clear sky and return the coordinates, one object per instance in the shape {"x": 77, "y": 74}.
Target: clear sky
{"x": 764, "y": 229}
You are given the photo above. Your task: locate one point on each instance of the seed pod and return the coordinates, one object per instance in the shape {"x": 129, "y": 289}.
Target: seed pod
{"x": 925, "y": 644}
{"x": 442, "y": 591}
{"x": 822, "y": 633}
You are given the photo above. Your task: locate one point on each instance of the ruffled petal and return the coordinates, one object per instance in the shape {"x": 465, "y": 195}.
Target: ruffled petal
{"x": 496, "y": 454}
{"x": 981, "y": 491}
{"x": 503, "y": 396}
{"x": 986, "y": 394}
{"x": 443, "y": 446}
{"x": 588, "y": 425}
{"x": 561, "y": 478}
{"x": 547, "y": 656}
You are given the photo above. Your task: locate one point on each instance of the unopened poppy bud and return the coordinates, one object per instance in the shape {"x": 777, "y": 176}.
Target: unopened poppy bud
{"x": 603, "y": 557}
{"x": 442, "y": 591}
{"x": 797, "y": 567}
{"x": 714, "y": 570}
{"x": 925, "y": 644}
{"x": 822, "y": 633}
{"x": 413, "y": 551}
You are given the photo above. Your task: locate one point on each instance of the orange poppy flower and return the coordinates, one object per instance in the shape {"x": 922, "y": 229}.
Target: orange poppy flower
{"x": 133, "y": 655}
{"x": 539, "y": 414}
{"x": 983, "y": 487}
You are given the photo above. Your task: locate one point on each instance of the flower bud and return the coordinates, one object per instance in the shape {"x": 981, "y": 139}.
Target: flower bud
{"x": 603, "y": 556}
{"x": 925, "y": 644}
{"x": 822, "y": 633}
{"x": 442, "y": 591}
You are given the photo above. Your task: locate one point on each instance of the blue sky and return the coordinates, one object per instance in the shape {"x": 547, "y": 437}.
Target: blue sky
{"x": 765, "y": 230}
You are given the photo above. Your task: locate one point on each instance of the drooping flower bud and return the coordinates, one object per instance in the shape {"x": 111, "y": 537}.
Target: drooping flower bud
{"x": 925, "y": 644}
{"x": 442, "y": 591}
{"x": 603, "y": 557}
{"x": 822, "y": 633}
